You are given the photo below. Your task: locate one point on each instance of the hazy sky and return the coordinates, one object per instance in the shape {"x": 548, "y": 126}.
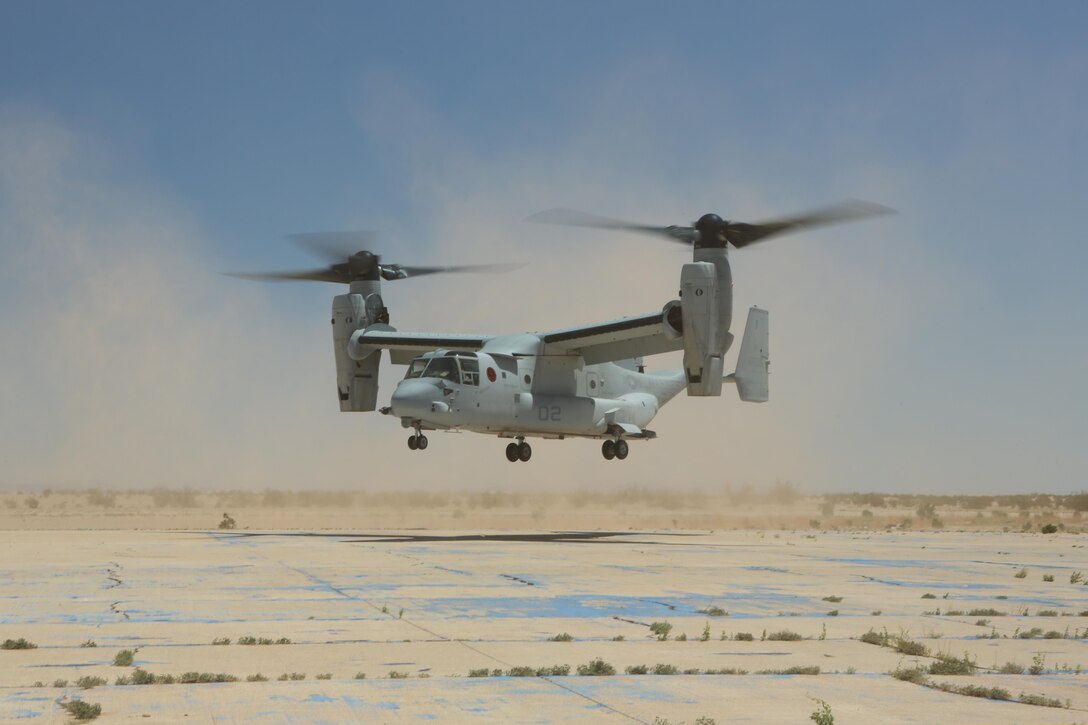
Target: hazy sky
{"x": 147, "y": 147}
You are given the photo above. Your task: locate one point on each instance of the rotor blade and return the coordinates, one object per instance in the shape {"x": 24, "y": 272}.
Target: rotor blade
{"x": 572, "y": 218}
{"x": 741, "y": 234}
{"x": 398, "y": 271}
{"x": 327, "y": 274}
{"x": 335, "y": 246}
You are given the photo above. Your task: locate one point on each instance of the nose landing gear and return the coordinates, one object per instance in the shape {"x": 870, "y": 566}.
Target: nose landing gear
{"x": 614, "y": 449}
{"x": 417, "y": 441}
{"x": 520, "y": 451}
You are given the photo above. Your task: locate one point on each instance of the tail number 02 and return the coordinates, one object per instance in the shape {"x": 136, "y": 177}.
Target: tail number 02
{"x": 554, "y": 413}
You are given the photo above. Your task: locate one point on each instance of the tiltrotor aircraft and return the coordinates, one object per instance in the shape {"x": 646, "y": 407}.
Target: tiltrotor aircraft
{"x": 577, "y": 382}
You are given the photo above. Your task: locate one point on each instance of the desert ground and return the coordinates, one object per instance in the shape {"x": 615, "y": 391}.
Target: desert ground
{"x": 625, "y": 606}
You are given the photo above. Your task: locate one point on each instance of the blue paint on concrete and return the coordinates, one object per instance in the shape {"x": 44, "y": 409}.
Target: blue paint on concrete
{"x": 24, "y": 714}
{"x": 318, "y": 697}
{"x": 387, "y": 706}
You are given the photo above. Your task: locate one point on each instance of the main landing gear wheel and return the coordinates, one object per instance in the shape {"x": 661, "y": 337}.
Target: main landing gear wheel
{"x": 512, "y": 452}
{"x": 608, "y": 449}
{"x": 525, "y": 451}
{"x": 422, "y": 442}
{"x": 417, "y": 442}
{"x": 621, "y": 449}
{"x": 412, "y": 442}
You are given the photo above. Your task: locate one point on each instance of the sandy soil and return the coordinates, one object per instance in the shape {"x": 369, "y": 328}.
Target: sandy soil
{"x": 436, "y": 586}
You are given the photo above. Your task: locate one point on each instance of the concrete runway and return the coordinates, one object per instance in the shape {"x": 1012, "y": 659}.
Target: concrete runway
{"x": 434, "y": 605}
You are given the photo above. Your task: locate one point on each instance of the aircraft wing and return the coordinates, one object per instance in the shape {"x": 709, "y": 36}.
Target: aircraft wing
{"x": 620, "y": 339}
{"x": 403, "y": 347}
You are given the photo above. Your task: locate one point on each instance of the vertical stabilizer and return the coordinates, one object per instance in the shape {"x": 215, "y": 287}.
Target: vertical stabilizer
{"x": 754, "y": 360}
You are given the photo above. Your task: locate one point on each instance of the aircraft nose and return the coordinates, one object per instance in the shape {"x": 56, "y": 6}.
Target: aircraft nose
{"x": 416, "y": 399}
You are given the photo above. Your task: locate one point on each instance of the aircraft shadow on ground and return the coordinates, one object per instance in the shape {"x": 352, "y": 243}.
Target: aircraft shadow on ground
{"x": 555, "y": 537}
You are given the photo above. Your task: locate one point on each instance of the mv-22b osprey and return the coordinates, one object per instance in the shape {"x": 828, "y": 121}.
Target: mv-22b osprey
{"x": 578, "y": 382}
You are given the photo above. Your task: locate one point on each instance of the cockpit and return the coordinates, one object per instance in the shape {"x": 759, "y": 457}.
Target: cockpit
{"x": 456, "y": 367}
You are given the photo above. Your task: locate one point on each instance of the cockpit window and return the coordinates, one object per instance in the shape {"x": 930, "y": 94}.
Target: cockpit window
{"x": 444, "y": 368}
{"x": 415, "y": 370}
{"x": 455, "y": 368}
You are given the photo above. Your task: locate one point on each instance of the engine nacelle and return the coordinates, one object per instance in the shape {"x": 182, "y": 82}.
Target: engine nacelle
{"x": 356, "y": 380}
{"x": 706, "y": 309}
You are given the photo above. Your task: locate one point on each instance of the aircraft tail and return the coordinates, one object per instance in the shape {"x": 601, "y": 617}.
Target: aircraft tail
{"x": 753, "y": 361}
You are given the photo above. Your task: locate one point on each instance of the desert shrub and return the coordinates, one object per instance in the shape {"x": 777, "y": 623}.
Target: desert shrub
{"x": 822, "y": 715}
{"x": 596, "y": 668}
{"x": 1049, "y": 529}
{"x": 916, "y": 675}
{"x": 743, "y": 637}
{"x": 1053, "y": 634}
{"x": 1038, "y": 664}
{"x": 481, "y": 672}
{"x": 88, "y": 682}
{"x": 553, "y": 671}
{"x": 910, "y": 647}
{"x": 833, "y": 613}
{"x": 795, "y": 670}
{"x": 664, "y": 670}
{"x": 32, "y": 503}
{"x": 784, "y": 635}
{"x": 1011, "y": 668}
{"x": 833, "y": 599}
{"x": 325, "y": 676}
{"x": 1022, "y": 574}
{"x": 1076, "y": 577}
{"x": 949, "y": 665}
{"x": 294, "y": 676}
{"x": 985, "y": 613}
{"x": 1048, "y": 577}
{"x": 990, "y": 693}
{"x": 221, "y": 640}
{"x": 88, "y": 643}
{"x": 124, "y": 658}
{"x": 1030, "y": 633}
{"x": 60, "y": 683}
{"x": 256, "y": 678}
{"x": 927, "y": 595}
{"x": 713, "y": 611}
{"x": 520, "y": 672}
{"x": 20, "y": 643}
{"x": 877, "y": 638}
{"x": 726, "y": 671}
{"x": 682, "y": 637}
{"x": 394, "y": 675}
{"x": 1042, "y": 700}
{"x": 618, "y": 638}
{"x": 637, "y": 670}
{"x": 1046, "y": 613}
{"x": 227, "y": 522}
{"x": 564, "y": 637}
{"x": 263, "y": 640}
{"x": 661, "y": 630}
{"x": 190, "y": 678}
{"x": 81, "y": 710}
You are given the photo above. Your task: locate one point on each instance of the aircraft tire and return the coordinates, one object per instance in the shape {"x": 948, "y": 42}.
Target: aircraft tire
{"x": 608, "y": 449}
{"x": 621, "y": 449}
{"x": 512, "y": 453}
{"x": 422, "y": 443}
{"x": 525, "y": 451}
{"x": 413, "y": 444}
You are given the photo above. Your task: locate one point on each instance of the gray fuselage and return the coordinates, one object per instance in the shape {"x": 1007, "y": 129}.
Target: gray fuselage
{"x": 525, "y": 394}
